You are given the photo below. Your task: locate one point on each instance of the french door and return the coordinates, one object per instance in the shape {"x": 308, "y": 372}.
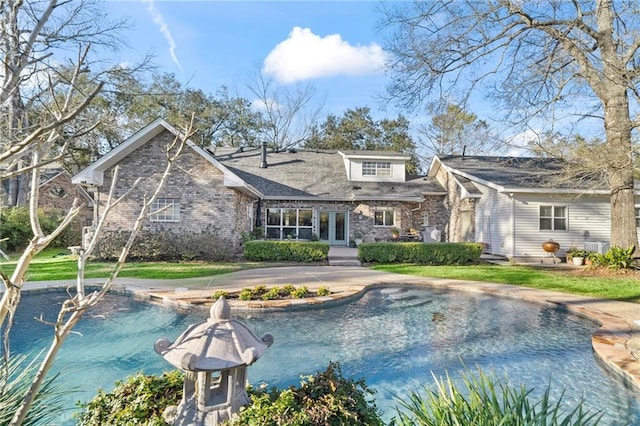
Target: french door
{"x": 332, "y": 228}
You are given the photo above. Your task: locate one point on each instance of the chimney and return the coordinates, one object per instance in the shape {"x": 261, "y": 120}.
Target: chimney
{"x": 263, "y": 156}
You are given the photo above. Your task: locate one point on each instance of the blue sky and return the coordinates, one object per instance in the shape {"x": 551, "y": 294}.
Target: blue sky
{"x": 332, "y": 45}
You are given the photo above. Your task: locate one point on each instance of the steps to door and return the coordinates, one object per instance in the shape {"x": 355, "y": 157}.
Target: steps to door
{"x": 343, "y": 256}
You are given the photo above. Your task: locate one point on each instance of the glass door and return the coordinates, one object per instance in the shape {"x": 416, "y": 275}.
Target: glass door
{"x": 332, "y": 228}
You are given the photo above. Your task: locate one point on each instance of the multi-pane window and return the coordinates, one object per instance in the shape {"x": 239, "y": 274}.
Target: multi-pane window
{"x": 289, "y": 224}
{"x": 168, "y": 210}
{"x": 553, "y": 218}
{"x": 376, "y": 168}
{"x": 637, "y": 217}
{"x": 383, "y": 218}
{"x": 425, "y": 219}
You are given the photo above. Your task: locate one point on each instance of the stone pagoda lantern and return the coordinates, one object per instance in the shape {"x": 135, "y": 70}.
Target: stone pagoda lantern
{"x": 214, "y": 355}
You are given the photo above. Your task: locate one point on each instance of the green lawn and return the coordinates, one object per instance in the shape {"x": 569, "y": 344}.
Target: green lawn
{"x": 620, "y": 286}
{"x": 57, "y": 264}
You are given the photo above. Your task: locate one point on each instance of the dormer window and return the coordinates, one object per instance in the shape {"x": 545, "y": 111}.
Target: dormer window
{"x": 376, "y": 168}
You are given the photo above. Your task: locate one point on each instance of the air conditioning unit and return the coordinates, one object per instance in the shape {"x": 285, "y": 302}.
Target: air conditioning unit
{"x": 596, "y": 246}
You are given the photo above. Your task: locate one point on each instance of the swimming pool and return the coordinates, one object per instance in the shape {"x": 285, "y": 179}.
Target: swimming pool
{"x": 393, "y": 337}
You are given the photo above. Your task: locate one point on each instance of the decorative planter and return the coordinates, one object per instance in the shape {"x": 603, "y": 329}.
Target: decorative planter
{"x": 577, "y": 260}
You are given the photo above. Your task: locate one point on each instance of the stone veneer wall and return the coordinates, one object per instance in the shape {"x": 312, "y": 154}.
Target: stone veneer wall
{"x": 361, "y": 220}
{"x": 206, "y": 205}
{"x": 454, "y": 205}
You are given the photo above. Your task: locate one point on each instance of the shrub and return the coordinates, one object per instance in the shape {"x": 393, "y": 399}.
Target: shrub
{"x": 139, "y": 400}
{"x": 300, "y": 292}
{"x": 286, "y": 251}
{"x": 324, "y": 291}
{"x": 420, "y": 253}
{"x": 16, "y": 226}
{"x": 220, "y": 293}
{"x": 326, "y": 398}
{"x": 484, "y": 400}
{"x": 272, "y": 293}
{"x": 287, "y": 289}
{"x": 618, "y": 258}
{"x": 245, "y": 294}
{"x": 166, "y": 246}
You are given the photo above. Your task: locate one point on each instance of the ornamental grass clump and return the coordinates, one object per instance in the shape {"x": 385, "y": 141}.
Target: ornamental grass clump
{"x": 482, "y": 400}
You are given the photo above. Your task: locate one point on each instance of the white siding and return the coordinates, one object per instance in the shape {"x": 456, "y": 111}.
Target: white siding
{"x": 494, "y": 225}
{"x": 354, "y": 170}
{"x": 588, "y": 219}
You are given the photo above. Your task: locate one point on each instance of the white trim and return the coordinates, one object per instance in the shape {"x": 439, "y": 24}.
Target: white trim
{"x": 94, "y": 173}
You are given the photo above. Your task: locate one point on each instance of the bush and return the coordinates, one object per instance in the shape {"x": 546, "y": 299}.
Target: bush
{"x": 326, "y": 398}
{"x": 300, "y": 292}
{"x": 286, "y": 251}
{"x": 165, "y": 246}
{"x": 615, "y": 258}
{"x": 484, "y": 400}
{"x": 140, "y": 400}
{"x": 324, "y": 291}
{"x": 420, "y": 253}
{"x": 15, "y": 225}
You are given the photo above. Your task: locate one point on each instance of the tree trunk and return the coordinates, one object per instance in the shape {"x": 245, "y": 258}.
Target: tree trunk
{"x": 620, "y": 170}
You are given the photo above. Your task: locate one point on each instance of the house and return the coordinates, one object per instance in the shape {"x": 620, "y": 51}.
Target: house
{"x": 292, "y": 194}
{"x": 57, "y": 192}
{"x": 514, "y": 204}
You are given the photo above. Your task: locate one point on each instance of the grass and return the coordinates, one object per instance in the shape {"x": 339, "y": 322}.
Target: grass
{"x": 57, "y": 264}
{"x": 614, "y": 286}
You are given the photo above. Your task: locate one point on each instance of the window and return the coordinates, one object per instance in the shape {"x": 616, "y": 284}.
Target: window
{"x": 553, "y": 218}
{"x": 637, "y": 217}
{"x": 289, "y": 224}
{"x": 425, "y": 219}
{"x": 383, "y": 218}
{"x": 170, "y": 210}
{"x": 376, "y": 168}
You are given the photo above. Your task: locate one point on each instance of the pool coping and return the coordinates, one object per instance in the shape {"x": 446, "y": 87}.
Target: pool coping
{"x": 616, "y": 342}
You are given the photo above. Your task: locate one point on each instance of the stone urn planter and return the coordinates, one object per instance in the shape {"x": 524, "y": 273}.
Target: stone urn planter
{"x": 577, "y": 260}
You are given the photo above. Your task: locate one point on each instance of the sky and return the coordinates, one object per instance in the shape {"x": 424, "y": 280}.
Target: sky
{"x": 332, "y": 45}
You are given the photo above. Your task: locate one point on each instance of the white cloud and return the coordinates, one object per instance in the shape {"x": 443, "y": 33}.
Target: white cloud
{"x": 305, "y": 55}
{"x": 164, "y": 29}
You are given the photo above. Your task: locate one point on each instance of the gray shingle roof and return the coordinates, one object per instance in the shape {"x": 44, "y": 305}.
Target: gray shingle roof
{"x": 316, "y": 174}
{"x": 518, "y": 172}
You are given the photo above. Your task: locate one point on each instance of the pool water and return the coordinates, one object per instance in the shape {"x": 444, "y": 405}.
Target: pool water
{"x": 394, "y": 338}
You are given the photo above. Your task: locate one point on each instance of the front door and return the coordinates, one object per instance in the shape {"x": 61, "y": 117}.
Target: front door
{"x": 333, "y": 228}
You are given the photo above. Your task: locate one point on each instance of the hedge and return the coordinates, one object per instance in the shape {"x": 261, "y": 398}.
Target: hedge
{"x": 420, "y": 253}
{"x": 294, "y": 251}
{"x": 165, "y": 246}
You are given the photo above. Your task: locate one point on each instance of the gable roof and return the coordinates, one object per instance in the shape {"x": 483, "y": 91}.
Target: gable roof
{"x": 94, "y": 173}
{"x": 290, "y": 175}
{"x": 319, "y": 175}
{"x": 515, "y": 174}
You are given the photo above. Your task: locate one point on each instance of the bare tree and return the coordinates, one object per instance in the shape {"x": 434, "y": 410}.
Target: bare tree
{"x": 289, "y": 114}
{"x": 454, "y": 130}
{"x": 580, "y": 57}
{"x": 77, "y": 304}
{"x": 49, "y": 78}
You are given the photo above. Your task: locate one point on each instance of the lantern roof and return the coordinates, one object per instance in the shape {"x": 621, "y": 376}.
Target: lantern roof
{"x": 219, "y": 343}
